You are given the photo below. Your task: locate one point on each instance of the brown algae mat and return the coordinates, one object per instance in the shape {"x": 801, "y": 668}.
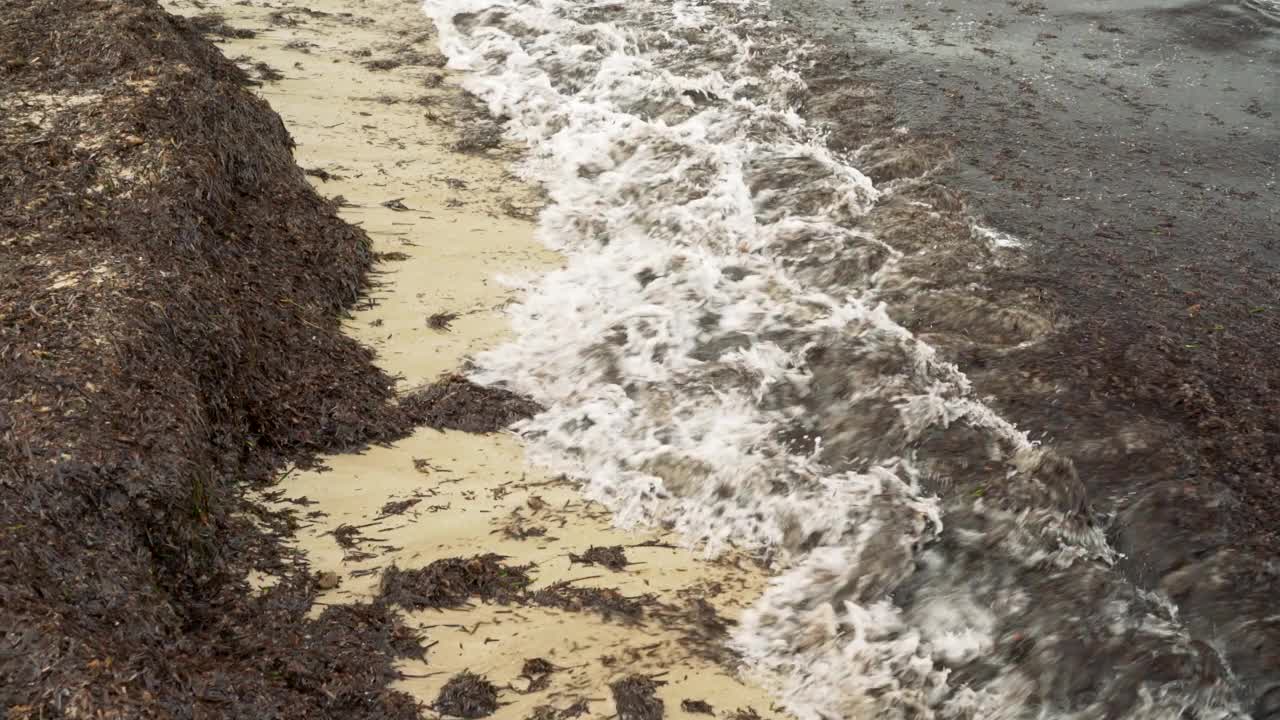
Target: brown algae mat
{"x": 526, "y": 601}
{"x": 171, "y": 291}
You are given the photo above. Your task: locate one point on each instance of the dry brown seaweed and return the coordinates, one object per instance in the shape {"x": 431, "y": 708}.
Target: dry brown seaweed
{"x": 452, "y": 582}
{"x": 215, "y": 24}
{"x": 635, "y": 698}
{"x": 608, "y": 602}
{"x": 397, "y": 507}
{"x": 614, "y": 557}
{"x": 170, "y": 299}
{"x": 456, "y": 403}
{"x": 697, "y": 707}
{"x": 467, "y": 695}
{"x": 441, "y": 320}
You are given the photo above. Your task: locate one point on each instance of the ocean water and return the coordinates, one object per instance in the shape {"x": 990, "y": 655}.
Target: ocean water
{"x": 719, "y": 355}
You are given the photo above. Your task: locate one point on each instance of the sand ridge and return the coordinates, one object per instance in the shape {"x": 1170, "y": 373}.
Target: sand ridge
{"x": 360, "y": 86}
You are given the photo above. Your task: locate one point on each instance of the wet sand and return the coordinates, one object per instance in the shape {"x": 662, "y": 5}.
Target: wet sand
{"x": 378, "y": 122}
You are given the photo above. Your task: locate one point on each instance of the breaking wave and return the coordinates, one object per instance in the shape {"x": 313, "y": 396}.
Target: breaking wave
{"x": 724, "y": 353}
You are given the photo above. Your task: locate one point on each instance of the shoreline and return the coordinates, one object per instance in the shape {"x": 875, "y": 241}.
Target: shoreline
{"x": 468, "y": 494}
{"x": 243, "y": 474}
{"x": 170, "y": 304}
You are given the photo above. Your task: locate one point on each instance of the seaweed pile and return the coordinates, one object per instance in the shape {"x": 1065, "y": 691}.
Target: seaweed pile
{"x": 453, "y": 582}
{"x": 456, "y": 403}
{"x": 467, "y": 695}
{"x": 170, "y": 296}
{"x": 636, "y": 698}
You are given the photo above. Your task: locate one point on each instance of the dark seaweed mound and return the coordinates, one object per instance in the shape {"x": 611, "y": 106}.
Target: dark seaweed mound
{"x": 170, "y": 297}
{"x": 455, "y": 403}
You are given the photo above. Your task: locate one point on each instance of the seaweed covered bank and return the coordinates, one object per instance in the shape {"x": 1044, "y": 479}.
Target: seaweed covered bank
{"x": 171, "y": 291}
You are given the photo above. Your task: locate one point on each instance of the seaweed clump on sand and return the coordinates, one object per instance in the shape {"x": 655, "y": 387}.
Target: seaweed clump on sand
{"x": 456, "y": 403}
{"x": 215, "y": 24}
{"x": 377, "y": 626}
{"x": 171, "y": 292}
{"x": 635, "y": 698}
{"x": 697, "y": 707}
{"x": 453, "y": 582}
{"x": 538, "y": 672}
{"x": 607, "y": 601}
{"x": 534, "y": 667}
{"x": 441, "y": 321}
{"x": 467, "y": 695}
{"x": 613, "y": 557}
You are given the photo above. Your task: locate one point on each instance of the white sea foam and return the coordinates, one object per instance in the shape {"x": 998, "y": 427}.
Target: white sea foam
{"x": 671, "y": 349}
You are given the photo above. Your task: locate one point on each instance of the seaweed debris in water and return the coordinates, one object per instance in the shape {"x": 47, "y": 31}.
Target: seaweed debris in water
{"x": 456, "y": 403}
{"x": 452, "y": 582}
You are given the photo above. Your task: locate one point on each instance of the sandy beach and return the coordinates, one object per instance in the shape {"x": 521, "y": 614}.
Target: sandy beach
{"x": 378, "y": 122}
{"x": 550, "y": 359}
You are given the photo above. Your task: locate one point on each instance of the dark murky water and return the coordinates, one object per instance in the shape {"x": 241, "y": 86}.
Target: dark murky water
{"x": 1135, "y": 147}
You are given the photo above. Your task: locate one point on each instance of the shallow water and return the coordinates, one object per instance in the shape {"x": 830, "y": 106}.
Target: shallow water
{"x": 1134, "y": 147}
{"x": 1268, "y": 11}
{"x": 726, "y": 352}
